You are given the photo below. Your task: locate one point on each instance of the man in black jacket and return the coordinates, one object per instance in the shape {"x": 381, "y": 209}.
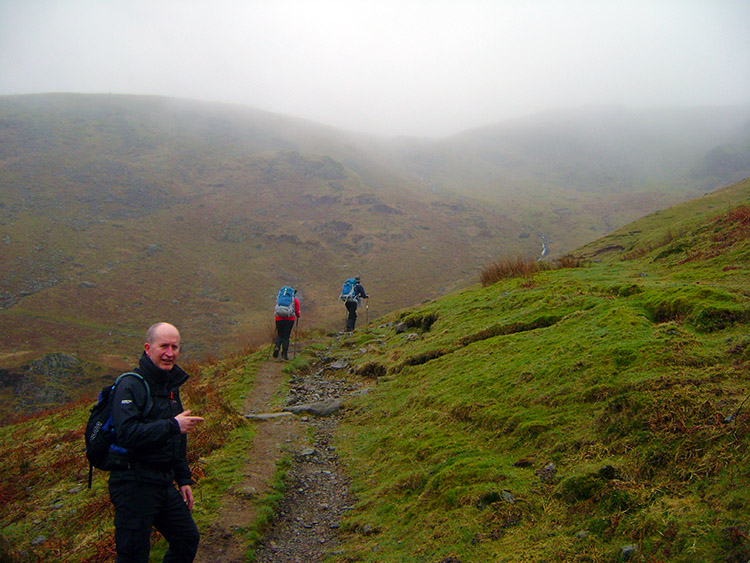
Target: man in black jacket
{"x": 144, "y": 494}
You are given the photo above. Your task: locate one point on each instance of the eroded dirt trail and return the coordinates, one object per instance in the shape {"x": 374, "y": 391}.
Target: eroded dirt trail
{"x": 219, "y": 544}
{"x": 306, "y": 525}
{"x": 308, "y": 518}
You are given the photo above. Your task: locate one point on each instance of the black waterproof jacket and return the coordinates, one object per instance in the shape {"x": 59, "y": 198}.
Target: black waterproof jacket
{"x": 158, "y": 450}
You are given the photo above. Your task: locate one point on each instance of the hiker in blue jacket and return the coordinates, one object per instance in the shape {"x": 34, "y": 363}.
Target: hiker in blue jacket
{"x": 352, "y": 303}
{"x": 144, "y": 495}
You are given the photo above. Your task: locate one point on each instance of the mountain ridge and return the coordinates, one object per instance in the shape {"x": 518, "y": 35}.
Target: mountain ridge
{"x": 120, "y": 210}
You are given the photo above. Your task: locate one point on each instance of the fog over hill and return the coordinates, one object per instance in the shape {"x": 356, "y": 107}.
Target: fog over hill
{"x": 117, "y": 211}
{"x": 608, "y": 148}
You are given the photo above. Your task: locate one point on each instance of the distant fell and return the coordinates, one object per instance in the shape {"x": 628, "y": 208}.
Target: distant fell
{"x": 592, "y": 169}
{"x": 602, "y": 149}
{"x": 117, "y": 211}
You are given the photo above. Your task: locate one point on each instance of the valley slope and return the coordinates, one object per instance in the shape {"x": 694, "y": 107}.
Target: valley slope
{"x": 117, "y": 211}
{"x": 595, "y": 413}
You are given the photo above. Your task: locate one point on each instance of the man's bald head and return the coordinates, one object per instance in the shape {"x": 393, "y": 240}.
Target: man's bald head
{"x": 163, "y": 345}
{"x": 156, "y": 328}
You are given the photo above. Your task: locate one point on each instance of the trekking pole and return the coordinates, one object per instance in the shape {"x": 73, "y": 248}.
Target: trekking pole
{"x": 294, "y": 346}
{"x": 367, "y": 315}
{"x": 273, "y": 343}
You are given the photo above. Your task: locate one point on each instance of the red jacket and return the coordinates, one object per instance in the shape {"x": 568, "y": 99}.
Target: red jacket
{"x": 296, "y": 310}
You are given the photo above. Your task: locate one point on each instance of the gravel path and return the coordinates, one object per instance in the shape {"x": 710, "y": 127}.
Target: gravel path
{"x": 306, "y": 525}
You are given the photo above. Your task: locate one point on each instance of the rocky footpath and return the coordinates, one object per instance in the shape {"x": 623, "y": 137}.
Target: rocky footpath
{"x": 307, "y": 522}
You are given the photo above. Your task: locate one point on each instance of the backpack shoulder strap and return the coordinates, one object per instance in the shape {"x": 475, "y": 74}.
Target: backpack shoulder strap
{"x": 145, "y": 384}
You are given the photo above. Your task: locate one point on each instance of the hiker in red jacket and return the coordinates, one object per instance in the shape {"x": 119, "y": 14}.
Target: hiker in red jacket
{"x": 285, "y": 318}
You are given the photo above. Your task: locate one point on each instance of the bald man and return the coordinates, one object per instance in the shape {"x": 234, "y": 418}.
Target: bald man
{"x": 154, "y": 487}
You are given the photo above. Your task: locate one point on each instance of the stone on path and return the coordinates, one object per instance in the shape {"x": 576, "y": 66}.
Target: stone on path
{"x": 321, "y": 408}
{"x": 268, "y": 416}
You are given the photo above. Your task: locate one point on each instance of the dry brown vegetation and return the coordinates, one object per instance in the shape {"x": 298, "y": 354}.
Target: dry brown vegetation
{"x": 521, "y": 267}
{"x": 46, "y": 454}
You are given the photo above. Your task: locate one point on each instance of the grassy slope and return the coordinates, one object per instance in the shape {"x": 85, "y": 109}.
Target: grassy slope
{"x": 116, "y": 211}
{"x": 48, "y": 513}
{"x": 621, "y": 374}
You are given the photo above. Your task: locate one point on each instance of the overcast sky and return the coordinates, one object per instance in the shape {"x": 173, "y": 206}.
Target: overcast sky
{"x": 404, "y": 67}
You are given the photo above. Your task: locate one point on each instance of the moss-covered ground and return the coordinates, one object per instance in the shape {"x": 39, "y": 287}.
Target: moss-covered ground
{"x": 582, "y": 414}
{"x": 578, "y": 414}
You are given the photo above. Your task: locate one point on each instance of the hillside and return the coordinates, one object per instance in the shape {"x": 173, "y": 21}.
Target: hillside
{"x": 589, "y": 414}
{"x": 116, "y": 211}
{"x": 574, "y": 415}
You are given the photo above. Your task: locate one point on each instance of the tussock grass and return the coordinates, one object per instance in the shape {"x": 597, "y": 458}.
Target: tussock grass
{"x": 420, "y": 322}
{"x": 521, "y": 267}
{"x": 372, "y": 370}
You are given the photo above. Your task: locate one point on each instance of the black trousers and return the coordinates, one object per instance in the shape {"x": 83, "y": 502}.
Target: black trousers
{"x": 141, "y": 506}
{"x": 283, "y": 333}
{"x": 351, "y": 320}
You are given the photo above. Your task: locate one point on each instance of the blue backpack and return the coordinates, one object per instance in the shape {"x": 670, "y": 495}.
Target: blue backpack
{"x": 347, "y": 292}
{"x": 285, "y": 302}
{"x": 102, "y": 449}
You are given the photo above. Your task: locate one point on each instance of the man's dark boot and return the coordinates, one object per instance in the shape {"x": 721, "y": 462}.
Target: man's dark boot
{"x": 275, "y": 352}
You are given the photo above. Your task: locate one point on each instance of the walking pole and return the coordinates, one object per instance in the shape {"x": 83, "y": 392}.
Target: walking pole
{"x": 367, "y": 315}
{"x": 273, "y": 343}
{"x": 294, "y": 347}
{"x": 274, "y": 334}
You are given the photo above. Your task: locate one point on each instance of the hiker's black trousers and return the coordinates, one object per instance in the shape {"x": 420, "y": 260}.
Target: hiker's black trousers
{"x": 351, "y": 320}
{"x": 141, "y": 506}
{"x": 283, "y": 333}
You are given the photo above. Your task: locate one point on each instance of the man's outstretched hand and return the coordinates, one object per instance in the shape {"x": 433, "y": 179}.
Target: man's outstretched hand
{"x": 187, "y": 423}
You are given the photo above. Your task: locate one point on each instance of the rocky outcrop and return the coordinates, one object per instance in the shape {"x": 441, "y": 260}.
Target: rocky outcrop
{"x": 46, "y": 382}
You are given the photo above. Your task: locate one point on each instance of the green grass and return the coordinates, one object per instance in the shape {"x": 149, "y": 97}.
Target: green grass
{"x": 603, "y": 387}
{"x": 622, "y": 374}
{"x": 628, "y": 374}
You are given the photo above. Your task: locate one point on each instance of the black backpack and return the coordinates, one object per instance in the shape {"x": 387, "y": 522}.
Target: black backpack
{"x": 102, "y": 449}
